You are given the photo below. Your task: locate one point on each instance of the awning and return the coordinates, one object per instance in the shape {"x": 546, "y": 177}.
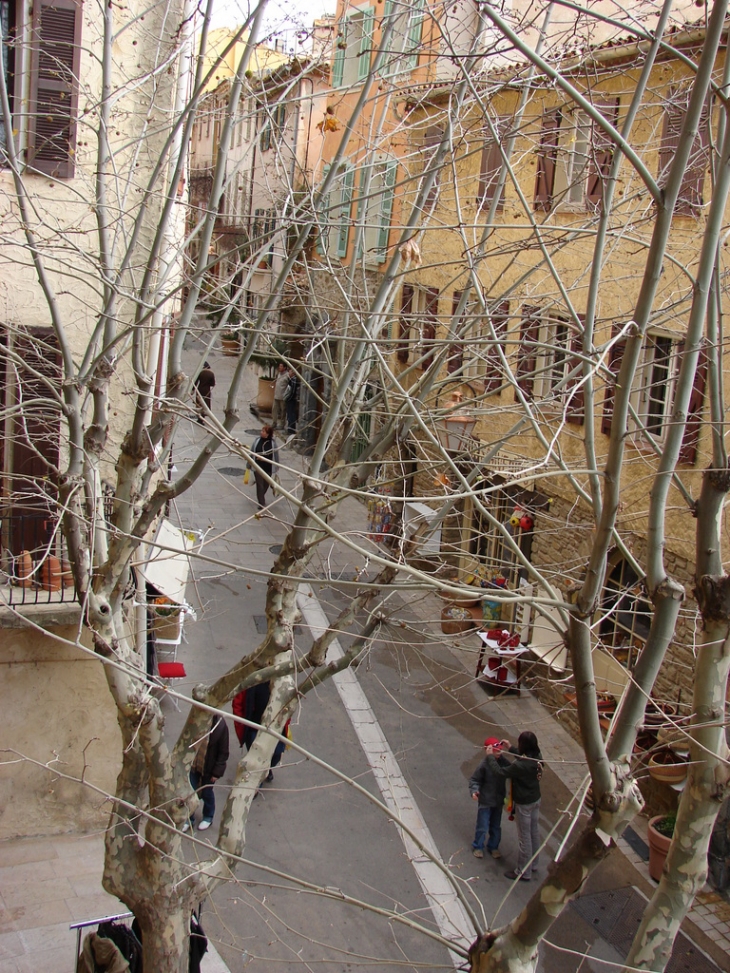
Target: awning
{"x": 168, "y": 567}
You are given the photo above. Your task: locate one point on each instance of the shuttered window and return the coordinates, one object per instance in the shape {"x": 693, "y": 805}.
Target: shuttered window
{"x": 575, "y": 409}
{"x": 54, "y": 68}
{"x": 404, "y": 323}
{"x": 527, "y": 353}
{"x": 615, "y": 358}
{"x": 491, "y": 164}
{"x": 691, "y": 438}
{"x": 493, "y": 374}
{"x": 546, "y": 160}
{"x": 601, "y": 154}
{"x": 455, "y": 359}
{"x": 691, "y": 191}
{"x": 428, "y": 329}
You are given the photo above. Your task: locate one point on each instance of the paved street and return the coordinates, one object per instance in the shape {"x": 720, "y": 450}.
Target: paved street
{"x": 407, "y": 726}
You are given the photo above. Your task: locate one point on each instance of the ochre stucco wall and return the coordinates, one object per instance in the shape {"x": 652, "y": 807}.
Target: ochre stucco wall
{"x": 58, "y": 711}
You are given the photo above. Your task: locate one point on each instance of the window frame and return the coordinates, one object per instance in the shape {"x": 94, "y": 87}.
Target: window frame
{"x": 337, "y": 216}
{"x": 353, "y": 53}
{"x": 375, "y": 211}
{"x": 43, "y": 67}
{"x": 405, "y": 59}
{"x": 690, "y": 199}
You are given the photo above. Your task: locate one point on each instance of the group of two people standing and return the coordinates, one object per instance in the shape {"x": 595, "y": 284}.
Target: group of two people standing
{"x": 488, "y": 786}
{"x": 264, "y": 451}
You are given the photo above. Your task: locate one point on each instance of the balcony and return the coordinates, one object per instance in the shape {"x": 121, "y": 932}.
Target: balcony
{"x": 34, "y": 565}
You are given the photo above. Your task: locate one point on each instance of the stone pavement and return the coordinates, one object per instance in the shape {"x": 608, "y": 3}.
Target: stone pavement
{"x": 47, "y": 884}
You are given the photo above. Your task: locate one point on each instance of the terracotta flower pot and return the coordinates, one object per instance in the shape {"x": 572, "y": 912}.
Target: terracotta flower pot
{"x": 265, "y": 397}
{"x": 51, "y": 573}
{"x": 24, "y": 570}
{"x": 231, "y": 347}
{"x": 456, "y": 621}
{"x": 658, "y": 848}
{"x": 668, "y": 767}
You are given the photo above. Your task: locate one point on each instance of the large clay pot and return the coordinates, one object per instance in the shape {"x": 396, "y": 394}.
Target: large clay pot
{"x": 24, "y": 570}
{"x": 658, "y": 848}
{"x": 668, "y": 767}
{"x": 51, "y": 573}
{"x": 231, "y": 347}
{"x": 265, "y": 397}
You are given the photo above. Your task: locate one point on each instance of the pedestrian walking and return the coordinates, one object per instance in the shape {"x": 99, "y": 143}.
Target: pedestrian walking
{"x": 209, "y": 765}
{"x": 278, "y": 410}
{"x": 250, "y": 704}
{"x": 525, "y": 772}
{"x": 204, "y": 385}
{"x": 489, "y": 790}
{"x": 264, "y": 457}
{"x": 291, "y": 397}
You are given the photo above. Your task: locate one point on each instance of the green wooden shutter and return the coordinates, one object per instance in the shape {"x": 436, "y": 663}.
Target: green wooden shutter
{"x": 366, "y": 44}
{"x": 386, "y": 209}
{"x": 415, "y": 35}
{"x": 324, "y": 217}
{"x": 338, "y": 65}
{"x": 54, "y": 71}
{"x": 348, "y": 180}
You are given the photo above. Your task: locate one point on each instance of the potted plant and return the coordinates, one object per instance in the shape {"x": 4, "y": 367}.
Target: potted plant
{"x": 659, "y": 834}
{"x": 268, "y": 361}
{"x": 231, "y": 343}
{"x": 166, "y": 618}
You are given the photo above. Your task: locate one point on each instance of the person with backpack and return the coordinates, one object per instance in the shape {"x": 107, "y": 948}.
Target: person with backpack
{"x": 525, "y": 772}
{"x": 264, "y": 458}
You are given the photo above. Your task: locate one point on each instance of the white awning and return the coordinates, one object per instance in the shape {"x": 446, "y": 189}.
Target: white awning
{"x": 168, "y": 567}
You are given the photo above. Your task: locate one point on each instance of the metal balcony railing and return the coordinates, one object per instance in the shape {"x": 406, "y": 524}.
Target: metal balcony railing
{"x": 34, "y": 565}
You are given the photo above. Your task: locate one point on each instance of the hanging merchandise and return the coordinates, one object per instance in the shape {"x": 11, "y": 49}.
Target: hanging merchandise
{"x": 380, "y": 510}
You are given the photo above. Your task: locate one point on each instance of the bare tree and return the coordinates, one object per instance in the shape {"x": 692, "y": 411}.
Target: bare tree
{"x": 524, "y": 182}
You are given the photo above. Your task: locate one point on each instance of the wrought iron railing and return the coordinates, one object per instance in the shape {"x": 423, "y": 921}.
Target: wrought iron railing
{"x": 34, "y": 564}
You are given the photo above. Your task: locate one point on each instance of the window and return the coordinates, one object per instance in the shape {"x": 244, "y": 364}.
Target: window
{"x": 272, "y": 126}
{"x": 575, "y": 158}
{"x": 418, "y": 314}
{"x": 353, "y": 48}
{"x": 625, "y": 615}
{"x": 488, "y": 543}
{"x": 375, "y": 207}
{"x": 491, "y": 165}
{"x": 50, "y": 49}
{"x": 690, "y": 197}
{"x": 653, "y": 395}
{"x": 263, "y": 228}
{"x": 493, "y": 375}
{"x": 334, "y": 234}
{"x": 405, "y": 37}
{"x": 548, "y": 366}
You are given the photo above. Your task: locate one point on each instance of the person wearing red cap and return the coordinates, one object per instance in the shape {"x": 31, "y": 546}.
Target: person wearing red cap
{"x": 488, "y": 789}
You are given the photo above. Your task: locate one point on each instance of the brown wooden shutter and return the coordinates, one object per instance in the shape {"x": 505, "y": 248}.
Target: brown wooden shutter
{"x": 491, "y": 166}
{"x": 693, "y": 182}
{"x": 54, "y": 72}
{"x": 575, "y": 412}
{"x": 404, "y": 323}
{"x": 428, "y": 332}
{"x": 527, "y": 352}
{"x": 493, "y": 376}
{"x": 546, "y": 159}
{"x": 690, "y": 197}
{"x": 691, "y": 438}
{"x": 456, "y": 350}
{"x": 614, "y": 365}
{"x": 601, "y": 154}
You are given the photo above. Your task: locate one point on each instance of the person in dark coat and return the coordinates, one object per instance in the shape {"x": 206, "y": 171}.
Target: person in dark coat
{"x": 291, "y": 399}
{"x": 525, "y": 773}
{"x": 204, "y": 385}
{"x": 489, "y": 790}
{"x": 250, "y": 704}
{"x": 209, "y": 765}
{"x": 264, "y": 458}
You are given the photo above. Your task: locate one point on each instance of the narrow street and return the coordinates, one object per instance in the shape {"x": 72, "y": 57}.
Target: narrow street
{"x": 308, "y": 825}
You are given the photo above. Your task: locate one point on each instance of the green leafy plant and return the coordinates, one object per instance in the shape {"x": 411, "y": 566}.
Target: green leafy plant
{"x": 665, "y": 825}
